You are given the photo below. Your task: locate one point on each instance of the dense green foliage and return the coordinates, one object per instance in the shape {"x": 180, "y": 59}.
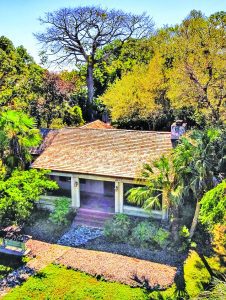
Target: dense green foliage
{"x": 188, "y": 172}
{"x": 118, "y": 229}
{"x": 61, "y": 210}
{"x": 55, "y": 282}
{"x": 139, "y": 233}
{"x": 17, "y": 136}
{"x": 186, "y": 73}
{"x": 19, "y": 192}
{"x": 213, "y": 206}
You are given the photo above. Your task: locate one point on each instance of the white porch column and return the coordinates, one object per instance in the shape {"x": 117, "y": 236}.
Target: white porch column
{"x": 118, "y": 197}
{"x": 75, "y": 191}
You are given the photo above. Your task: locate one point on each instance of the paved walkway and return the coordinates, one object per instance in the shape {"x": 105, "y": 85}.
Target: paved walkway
{"x": 112, "y": 267}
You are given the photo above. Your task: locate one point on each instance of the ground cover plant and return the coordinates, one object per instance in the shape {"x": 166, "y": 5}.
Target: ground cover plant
{"x": 56, "y": 282}
{"x": 41, "y": 227}
{"x": 59, "y": 282}
{"x": 142, "y": 233}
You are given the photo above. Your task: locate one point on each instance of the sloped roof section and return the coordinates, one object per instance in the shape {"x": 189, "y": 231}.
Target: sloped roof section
{"x": 107, "y": 152}
{"x": 47, "y": 137}
{"x": 97, "y": 125}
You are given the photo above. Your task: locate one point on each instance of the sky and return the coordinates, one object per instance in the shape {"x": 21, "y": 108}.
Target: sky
{"x": 19, "y": 18}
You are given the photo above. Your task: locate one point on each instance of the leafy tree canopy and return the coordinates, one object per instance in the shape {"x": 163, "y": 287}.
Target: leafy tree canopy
{"x": 19, "y": 76}
{"x": 19, "y": 192}
{"x": 213, "y": 206}
{"x": 17, "y": 136}
{"x": 186, "y": 72}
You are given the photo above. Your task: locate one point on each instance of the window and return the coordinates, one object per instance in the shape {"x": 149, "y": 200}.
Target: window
{"x": 82, "y": 181}
{"x": 64, "y": 179}
{"x": 127, "y": 187}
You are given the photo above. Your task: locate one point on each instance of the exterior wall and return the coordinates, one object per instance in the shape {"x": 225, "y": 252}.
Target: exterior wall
{"x": 98, "y": 185}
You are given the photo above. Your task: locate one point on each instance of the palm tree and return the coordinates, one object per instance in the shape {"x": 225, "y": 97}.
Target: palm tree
{"x": 190, "y": 170}
{"x": 161, "y": 189}
{"x": 17, "y": 135}
{"x": 197, "y": 161}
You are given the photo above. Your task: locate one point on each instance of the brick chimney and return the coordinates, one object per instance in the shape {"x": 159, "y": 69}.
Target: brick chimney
{"x": 178, "y": 128}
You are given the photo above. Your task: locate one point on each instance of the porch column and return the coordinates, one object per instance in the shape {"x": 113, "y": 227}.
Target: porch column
{"x": 118, "y": 197}
{"x": 75, "y": 191}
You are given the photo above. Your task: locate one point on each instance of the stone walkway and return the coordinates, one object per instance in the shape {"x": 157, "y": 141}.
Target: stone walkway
{"x": 112, "y": 267}
{"x": 79, "y": 235}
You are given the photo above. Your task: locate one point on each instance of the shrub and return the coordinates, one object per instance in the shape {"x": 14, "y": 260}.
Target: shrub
{"x": 146, "y": 234}
{"x": 61, "y": 211}
{"x": 184, "y": 232}
{"x": 143, "y": 233}
{"x": 118, "y": 229}
{"x": 161, "y": 237}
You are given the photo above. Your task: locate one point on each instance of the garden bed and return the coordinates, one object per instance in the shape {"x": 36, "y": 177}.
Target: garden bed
{"x": 164, "y": 256}
{"x": 41, "y": 228}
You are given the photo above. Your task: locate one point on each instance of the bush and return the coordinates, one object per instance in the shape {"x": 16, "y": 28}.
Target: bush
{"x": 146, "y": 234}
{"x": 161, "y": 237}
{"x": 143, "y": 233}
{"x": 61, "y": 211}
{"x": 118, "y": 229}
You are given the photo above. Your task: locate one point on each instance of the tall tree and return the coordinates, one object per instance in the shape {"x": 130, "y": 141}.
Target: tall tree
{"x": 17, "y": 135}
{"x": 19, "y": 76}
{"x": 197, "y": 78}
{"x": 191, "y": 170}
{"x": 140, "y": 94}
{"x": 76, "y": 34}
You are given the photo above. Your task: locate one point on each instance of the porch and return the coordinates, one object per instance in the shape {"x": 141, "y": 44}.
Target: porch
{"x": 99, "y": 194}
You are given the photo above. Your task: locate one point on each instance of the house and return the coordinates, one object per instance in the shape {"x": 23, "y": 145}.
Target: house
{"x": 96, "y": 167}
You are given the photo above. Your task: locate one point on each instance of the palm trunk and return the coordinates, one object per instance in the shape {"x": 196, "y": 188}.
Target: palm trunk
{"x": 90, "y": 86}
{"x": 195, "y": 220}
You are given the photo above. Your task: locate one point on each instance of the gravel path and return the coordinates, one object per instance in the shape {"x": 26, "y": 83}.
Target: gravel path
{"x": 79, "y": 235}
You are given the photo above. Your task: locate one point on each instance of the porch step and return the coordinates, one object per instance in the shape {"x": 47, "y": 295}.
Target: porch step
{"x": 91, "y": 218}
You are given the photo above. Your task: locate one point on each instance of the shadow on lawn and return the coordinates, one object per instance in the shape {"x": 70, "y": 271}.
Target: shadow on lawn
{"x": 179, "y": 291}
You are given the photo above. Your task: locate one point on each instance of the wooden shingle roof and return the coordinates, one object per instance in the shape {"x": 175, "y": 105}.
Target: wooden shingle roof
{"x": 107, "y": 152}
{"x": 97, "y": 124}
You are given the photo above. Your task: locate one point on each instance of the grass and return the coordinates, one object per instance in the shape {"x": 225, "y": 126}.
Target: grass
{"x": 56, "y": 282}
{"x": 195, "y": 279}
{"x": 8, "y": 263}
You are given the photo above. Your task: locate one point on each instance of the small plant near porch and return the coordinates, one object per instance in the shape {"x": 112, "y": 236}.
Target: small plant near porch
{"x": 61, "y": 211}
{"x": 144, "y": 234}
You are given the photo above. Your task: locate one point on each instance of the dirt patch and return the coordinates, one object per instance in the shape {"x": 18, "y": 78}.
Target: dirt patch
{"x": 113, "y": 267}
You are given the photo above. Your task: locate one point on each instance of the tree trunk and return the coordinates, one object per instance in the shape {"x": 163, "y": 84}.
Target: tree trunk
{"x": 90, "y": 86}
{"x": 195, "y": 220}
{"x": 175, "y": 223}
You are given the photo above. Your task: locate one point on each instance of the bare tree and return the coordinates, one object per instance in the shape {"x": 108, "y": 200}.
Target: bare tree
{"x": 76, "y": 34}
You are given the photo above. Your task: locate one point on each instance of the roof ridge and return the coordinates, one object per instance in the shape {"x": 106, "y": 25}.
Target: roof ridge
{"x": 116, "y": 129}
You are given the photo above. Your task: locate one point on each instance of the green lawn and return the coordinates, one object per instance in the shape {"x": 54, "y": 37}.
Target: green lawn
{"x": 56, "y": 282}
